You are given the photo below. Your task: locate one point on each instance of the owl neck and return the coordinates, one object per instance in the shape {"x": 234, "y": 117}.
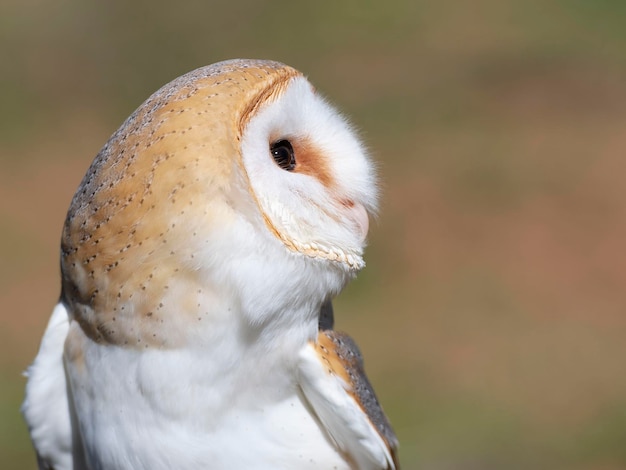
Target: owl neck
{"x": 251, "y": 362}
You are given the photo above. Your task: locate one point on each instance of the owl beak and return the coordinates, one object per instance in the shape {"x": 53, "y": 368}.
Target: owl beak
{"x": 358, "y": 215}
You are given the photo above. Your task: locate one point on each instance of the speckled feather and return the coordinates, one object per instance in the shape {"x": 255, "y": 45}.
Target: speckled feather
{"x": 121, "y": 223}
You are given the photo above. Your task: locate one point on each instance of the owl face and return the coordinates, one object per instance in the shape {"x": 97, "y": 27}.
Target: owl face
{"x": 310, "y": 176}
{"x": 235, "y": 188}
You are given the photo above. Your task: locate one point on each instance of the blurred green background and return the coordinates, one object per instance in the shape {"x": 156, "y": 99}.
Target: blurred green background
{"x": 492, "y": 313}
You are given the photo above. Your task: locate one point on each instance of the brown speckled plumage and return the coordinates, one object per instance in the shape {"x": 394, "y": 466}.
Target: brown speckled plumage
{"x": 130, "y": 226}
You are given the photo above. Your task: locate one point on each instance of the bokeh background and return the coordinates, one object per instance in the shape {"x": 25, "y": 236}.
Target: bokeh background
{"x": 492, "y": 312}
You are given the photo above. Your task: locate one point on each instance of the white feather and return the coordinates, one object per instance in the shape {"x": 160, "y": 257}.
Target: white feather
{"x": 45, "y": 407}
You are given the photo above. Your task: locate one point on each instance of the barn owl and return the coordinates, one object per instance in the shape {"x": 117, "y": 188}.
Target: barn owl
{"x": 199, "y": 258}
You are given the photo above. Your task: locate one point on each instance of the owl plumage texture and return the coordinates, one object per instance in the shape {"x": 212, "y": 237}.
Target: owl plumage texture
{"x": 199, "y": 257}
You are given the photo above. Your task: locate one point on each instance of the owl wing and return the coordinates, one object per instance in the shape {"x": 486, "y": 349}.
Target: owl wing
{"x": 46, "y": 406}
{"x": 334, "y": 383}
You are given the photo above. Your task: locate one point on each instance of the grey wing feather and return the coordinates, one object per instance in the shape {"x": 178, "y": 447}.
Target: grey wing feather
{"x": 351, "y": 357}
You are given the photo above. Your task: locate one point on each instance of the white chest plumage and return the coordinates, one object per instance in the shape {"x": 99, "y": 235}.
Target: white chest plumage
{"x": 197, "y": 255}
{"x": 169, "y": 409}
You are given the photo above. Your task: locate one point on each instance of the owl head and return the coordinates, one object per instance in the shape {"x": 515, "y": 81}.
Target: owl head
{"x": 235, "y": 181}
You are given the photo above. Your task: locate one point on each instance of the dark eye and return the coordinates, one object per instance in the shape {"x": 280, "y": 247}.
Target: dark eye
{"x": 282, "y": 151}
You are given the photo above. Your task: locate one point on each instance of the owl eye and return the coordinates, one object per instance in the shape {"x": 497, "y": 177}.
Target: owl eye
{"x": 282, "y": 152}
